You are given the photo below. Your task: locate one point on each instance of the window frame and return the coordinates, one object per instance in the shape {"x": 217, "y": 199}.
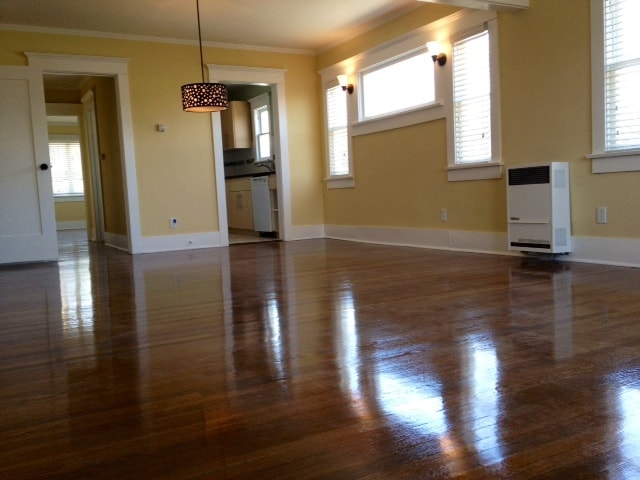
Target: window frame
{"x": 602, "y": 161}
{"x": 337, "y": 181}
{"x": 69, "y": 139}
{"x": 483, "y": 170}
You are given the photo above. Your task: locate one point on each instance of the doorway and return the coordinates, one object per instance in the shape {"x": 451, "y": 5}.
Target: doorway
{"x": 273, "y": 79}
{"x": 113, "y": 72}
{"x": 77, "y": 142}
{"x": 249, "y": 165}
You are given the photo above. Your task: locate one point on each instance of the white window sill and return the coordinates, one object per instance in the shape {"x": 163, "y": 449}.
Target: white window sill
{"x": 474, "y": 171}
{"x": 425, "y": 113}
{"x": 68, "y": 198}
{"x": 611, "y": 162}
{"x": 340, "y": 182}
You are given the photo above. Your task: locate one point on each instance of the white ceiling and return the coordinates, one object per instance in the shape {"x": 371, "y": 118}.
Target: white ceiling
{"x": 309, "y": 25}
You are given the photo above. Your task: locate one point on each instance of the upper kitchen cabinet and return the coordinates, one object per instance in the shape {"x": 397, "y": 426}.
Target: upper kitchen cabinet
{"x": 236, "y": 125}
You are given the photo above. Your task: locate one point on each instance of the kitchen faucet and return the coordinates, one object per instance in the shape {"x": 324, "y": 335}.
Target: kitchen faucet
{"x": 268, "y": 164}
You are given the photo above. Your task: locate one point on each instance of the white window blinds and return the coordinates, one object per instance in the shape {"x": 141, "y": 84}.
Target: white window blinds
{"x": 622, "y": 74}
{"x": 66, "y": 165}
{"x": 472, "y": 99}
{"x": 337, "y": 131}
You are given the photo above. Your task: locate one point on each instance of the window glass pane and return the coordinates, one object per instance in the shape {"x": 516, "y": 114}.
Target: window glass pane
{"x": 398, "y": 86}
{"x": 263, "y": 126}
{"x": 264, "y": 120}
{"x": 338, "y": 138}
{"x": 66, "y": 165}
{"x": 622, "y": 74}
{"x": 264, "y": 146}
{"x": 472, "y": 99}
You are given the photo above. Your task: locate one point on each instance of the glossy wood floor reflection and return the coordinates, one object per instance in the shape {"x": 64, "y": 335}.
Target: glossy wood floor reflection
{"x": 317, "y": 359}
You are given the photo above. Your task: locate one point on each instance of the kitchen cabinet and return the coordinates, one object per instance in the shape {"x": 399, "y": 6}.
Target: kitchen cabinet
{"x": 239, "y": 203}
{"x": 236, "y": 126}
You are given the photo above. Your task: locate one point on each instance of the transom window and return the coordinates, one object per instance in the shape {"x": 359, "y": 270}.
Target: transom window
{"x": 401, "y": 84}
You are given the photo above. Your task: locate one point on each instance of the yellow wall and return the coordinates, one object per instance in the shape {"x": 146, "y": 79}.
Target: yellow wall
{"x": 175, "y": 169}
{"x": 546, "y": 116}
{"x": 111, "y": 171}
{"x": 70, "y": 211}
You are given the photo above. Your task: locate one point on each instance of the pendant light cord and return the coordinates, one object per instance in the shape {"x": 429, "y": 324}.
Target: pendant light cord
{"x": 200, "y": 40}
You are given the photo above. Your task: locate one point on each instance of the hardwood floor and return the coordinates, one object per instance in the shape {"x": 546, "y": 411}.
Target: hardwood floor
{"x": 317, "y": 359}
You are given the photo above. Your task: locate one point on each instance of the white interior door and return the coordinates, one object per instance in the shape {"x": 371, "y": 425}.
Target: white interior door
{"x": 27, "y": 216}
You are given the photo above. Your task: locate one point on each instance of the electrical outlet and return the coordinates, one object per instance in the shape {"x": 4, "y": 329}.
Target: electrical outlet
{"x": 443, "y": 214}
{"x": 173, "y": 222}
{"x": 601, "y": 215}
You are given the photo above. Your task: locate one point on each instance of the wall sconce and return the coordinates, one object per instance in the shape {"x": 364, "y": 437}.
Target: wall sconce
{"x": 437, "y": 52}
{"x": 343, "y": 80}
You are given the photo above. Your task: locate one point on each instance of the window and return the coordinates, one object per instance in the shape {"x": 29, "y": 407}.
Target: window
{"x": 337, "y": 132}
{"x": 473, "y": 116}
{"x": 66, "y": 165}
{"x": 398, "y": 85}
{"x": 622, "y": 74}
{"x": 472, "y": 99}
{"x": 261, "y": 107}
{"x": 616, "y": 74}
{"x": 263, "y": 133}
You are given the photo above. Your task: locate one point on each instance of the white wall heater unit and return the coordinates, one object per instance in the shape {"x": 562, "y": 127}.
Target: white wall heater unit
{"x": 538, "y": 208}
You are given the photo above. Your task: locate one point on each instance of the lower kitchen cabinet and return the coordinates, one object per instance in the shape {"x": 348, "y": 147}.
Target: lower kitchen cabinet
{"x": 239, "y": 203}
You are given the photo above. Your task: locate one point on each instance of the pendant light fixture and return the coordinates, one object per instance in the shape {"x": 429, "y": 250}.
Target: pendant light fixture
{"x": 204, "y": 97}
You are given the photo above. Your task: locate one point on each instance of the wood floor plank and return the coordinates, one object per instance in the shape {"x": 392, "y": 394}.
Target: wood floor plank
{"x": 318, "y": 359}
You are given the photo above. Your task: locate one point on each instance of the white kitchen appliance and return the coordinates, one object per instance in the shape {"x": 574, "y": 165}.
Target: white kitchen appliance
{"x": 262, "y": 209}
{"x": 538, "y": 208}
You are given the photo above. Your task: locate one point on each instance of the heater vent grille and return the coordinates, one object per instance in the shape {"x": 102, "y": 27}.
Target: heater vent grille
{"x": 529, "y": 175}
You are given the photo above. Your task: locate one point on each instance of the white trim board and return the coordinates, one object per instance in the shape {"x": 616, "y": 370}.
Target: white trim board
{"x": 71, "y": 225}
{"x": 187, "y": 241}
{"x": 624, "y": 252}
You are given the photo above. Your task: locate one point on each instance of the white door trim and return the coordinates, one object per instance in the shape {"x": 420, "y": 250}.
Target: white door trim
{"x": 275, "y": 78}
{"x": 119, "y": 69}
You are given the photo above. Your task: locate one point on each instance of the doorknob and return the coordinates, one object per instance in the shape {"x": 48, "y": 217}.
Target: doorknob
{"x": 44, "y": 166}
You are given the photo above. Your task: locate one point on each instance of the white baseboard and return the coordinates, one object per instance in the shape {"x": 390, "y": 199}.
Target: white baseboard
{"x": 306, "y": 232}
{"x": 608, "y": 251}
{"x": 600, "y": 250}
{"x": 478, "y": 242}
{"x": 190, "y": 241}
{"x": 624, "y": 252}
{"x": 116, "y": 240}
{"x": 75, "y": 225}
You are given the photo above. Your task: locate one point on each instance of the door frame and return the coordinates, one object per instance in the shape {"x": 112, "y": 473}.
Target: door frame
{"x": 119, "y": 69}
{"x": 274, "y": 77}
{"x": 93, "y": 150}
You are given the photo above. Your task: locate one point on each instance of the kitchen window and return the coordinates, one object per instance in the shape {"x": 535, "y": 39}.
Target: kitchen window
{"x": 616, "y": 75}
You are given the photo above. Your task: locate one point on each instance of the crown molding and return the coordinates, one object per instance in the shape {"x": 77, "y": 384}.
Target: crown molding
{"x": 143, "y": 38}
